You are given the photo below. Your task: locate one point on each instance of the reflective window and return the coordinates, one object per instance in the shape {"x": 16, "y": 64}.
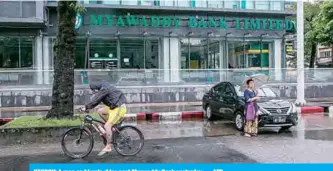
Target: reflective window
{"x": 169, "y": 3}
{"x": 16, "y": 52}
{"x": 183, "y": 3}
{"x": 148, "y": 2}
{"x": 276, "y": 5}
{"x": 111, "y": 2}
{"x": 103, "y": 53}
{"x": 80, "y": 53}
{"x": 129, "y": 2}
{"x": 232, "y": 4}
{"x": 262, "y": 5}
{"x": 139, "y": 53}
{"x": 215, "y": 4}
{"x": 249, "y": 4}
{"x": 200, "y": 3}
{"x": 151, "y": 53}
{"x": 248, "y": 54}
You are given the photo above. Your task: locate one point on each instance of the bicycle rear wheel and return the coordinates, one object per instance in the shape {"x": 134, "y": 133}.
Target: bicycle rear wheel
{"x": 123, "y": 140}
{"x": 77, "y": 137}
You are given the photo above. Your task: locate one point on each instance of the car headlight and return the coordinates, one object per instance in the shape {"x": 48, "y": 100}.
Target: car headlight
{"x": 293, "y": 108}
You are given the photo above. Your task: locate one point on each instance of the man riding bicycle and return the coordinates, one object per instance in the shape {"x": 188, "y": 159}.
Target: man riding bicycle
{"x": 113, "y": 111}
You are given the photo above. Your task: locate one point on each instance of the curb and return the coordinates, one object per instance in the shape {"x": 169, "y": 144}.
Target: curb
{"x": 153, "y": 116}
{"x": 166, "y": 116}
{"x": 149, "y": 116}
{"x": 311, "y": 110}
{"x": 5, "y": 120}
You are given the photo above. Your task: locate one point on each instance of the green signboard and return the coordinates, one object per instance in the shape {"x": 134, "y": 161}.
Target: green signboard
{"x": 192, "y": 22}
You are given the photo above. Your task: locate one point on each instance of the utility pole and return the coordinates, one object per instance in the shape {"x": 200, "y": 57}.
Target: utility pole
{"x": 300, "y": 54}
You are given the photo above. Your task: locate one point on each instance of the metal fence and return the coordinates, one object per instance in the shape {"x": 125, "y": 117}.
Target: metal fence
{"x": 165, "y": 77}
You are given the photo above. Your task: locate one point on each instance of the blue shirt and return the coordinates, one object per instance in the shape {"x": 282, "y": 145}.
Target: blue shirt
{"x": 248, "y": 95}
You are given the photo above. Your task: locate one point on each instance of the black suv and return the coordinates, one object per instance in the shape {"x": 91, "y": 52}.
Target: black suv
{"x": 227, "y": 101}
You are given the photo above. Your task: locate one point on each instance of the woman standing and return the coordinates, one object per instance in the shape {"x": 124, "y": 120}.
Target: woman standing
{"x": 250, "y": 109}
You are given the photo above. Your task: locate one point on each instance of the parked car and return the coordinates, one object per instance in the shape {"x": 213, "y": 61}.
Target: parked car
{"x": 227, "y": 101}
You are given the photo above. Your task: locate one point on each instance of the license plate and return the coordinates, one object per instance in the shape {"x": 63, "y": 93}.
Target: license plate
{"x": 279, "y": 119}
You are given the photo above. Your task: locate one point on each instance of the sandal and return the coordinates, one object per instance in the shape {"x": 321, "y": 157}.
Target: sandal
{"x": 103, "y": 152}
{"x": 247, "y": 135}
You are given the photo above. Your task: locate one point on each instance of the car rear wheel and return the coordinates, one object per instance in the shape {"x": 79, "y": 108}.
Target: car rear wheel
{"x": 239, "y": 121}
{"x": 209, "y": 113}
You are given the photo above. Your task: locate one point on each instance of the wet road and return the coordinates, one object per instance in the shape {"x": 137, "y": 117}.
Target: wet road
{"x": 200, "y": 141}
{"x": 181, "y": 150}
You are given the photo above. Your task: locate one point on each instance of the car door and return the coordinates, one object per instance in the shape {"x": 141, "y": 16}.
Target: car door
{"x": 217, "y": 99}
{"x": 229, "y": 101}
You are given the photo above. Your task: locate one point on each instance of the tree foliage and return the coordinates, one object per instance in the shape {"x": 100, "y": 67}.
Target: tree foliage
{"x": 324, "y": 23}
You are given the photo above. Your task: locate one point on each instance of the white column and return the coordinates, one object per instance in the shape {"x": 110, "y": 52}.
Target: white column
{"x": 47, "y": 65}
{"x": 222, "y": 60}
{"x": 277, "y": 59}
{"x": 171, "y": 59}
{"x": 300, "y": 54}
{"x": 38, "y": 60}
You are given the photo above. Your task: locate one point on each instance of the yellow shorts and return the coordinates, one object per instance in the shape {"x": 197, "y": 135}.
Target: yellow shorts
{"x": 114, "y": 115}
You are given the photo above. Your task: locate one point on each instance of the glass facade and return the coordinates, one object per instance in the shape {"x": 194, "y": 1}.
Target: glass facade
{"x": 125, "y": 53}
{"x": 16, "y": 52}
{"x": 194, "y": 53}
{"x": 276, "y": 5}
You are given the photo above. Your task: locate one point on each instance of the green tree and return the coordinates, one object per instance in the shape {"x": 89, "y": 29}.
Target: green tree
{"x": 324, "y": 24}
{"x": 63, "y": 84}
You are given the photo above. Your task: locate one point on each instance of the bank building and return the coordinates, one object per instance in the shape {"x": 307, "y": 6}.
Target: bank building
{"x": 160, "y": 41}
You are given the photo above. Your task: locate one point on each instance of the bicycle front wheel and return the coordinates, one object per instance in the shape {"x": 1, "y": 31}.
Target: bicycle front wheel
{"x": 128, "y": 141}
{"x": 81, "y": 140}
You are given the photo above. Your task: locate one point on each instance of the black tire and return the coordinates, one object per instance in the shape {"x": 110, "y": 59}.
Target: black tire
{"x": 84, "y": 154}
{"x": 239, "y": 117}
{"x": 209, "y": 114}
{"x": 117, "y": 135}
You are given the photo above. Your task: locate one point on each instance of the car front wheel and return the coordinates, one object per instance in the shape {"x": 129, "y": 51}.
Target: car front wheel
{"x": 209, "y": 113}
{"x": 239, "y": 121}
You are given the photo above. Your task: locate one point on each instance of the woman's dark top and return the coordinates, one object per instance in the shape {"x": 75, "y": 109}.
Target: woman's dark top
{"x": 248, "y": 95}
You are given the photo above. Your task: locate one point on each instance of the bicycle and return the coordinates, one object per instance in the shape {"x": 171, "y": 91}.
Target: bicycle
{"x": 119, "y": 141}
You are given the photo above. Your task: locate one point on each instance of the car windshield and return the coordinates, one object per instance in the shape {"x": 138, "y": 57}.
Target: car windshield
{"x": 262, "y": 92}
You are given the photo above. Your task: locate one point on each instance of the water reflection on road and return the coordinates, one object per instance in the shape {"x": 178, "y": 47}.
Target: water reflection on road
{"x": 310, "y": 127}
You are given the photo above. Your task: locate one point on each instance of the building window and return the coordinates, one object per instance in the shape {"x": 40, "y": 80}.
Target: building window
{"x": 102, "y": 53}
{"x": 232, "y": 4}
{"x": 111, "y": 2}
{"x": 129, "y": 2}
{"x": 81, "y": 57}
{"x": 16, "y": 52}
{"x": 168, "y": 3}
{"x": 248, "y": 54}
{"x": 276, "y": 5}
{"x": 148, "y": 2}
{"x": 199, "y": 3}
{"x": 215, "y": 4}
{"x": 262, "y": 5}
{"x": 249, "y": 4}
{"x": 183, "y": 3}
